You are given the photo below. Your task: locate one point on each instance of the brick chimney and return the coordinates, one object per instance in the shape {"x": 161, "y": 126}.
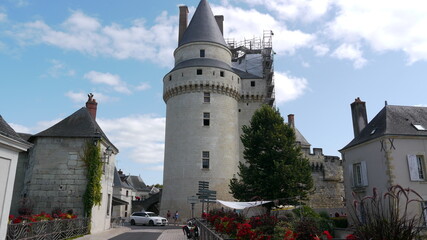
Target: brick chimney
{"x": 291, "y": 120}
{"x": 183, "y": 21}
{"x": 220, "y": 21}
{"x": 91, "y": 105}
{"x": 360, "y": 119}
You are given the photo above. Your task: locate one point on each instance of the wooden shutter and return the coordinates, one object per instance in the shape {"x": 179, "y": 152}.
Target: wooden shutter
{"x": 413, "y": 168}
{"x": 364, "y": 173}
{"x": 350, "y": 173}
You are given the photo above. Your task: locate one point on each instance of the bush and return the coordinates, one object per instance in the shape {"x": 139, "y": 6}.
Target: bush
{"x": 387, "y": 216}
{"x": 340, "y": 222}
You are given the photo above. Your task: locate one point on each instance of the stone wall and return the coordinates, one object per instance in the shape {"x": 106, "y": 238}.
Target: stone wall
{"x": 327, "y": 173}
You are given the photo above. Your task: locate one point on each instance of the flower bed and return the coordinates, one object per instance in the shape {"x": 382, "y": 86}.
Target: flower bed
{"x": 234, "y": 226}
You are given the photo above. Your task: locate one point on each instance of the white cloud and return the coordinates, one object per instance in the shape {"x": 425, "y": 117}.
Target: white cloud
{"x": 247, "y": 24}
{"x": 108, "y": 79}
{"x": 384, "y": 25}
{"x": 350, "y": 52}
{"x": 141, "y": 135}
{"x": 143, "y": 86}
{"x": 87, "y": 35}
{"x": 3, "y": 17}
{"x": 305, "y": 10}
{"x": 81, "y": 97}
{"x": 20, "y": 128}
{"x": 58, "y": 69}
{"x": 288, "y": 87}
{"x": 321, "y": 49}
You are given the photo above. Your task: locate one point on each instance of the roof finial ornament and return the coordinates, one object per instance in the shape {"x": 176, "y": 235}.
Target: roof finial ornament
{"x": 90, "y": 98}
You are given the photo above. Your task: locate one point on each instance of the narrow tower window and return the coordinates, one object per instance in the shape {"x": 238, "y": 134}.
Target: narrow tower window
{"x": 202, "y": 53}
{"x": 199, "y": 71}
{"x": 221, "y": 73}
{"x": 206, "y": 119}
{"x": 252, "y": 83}
{"x": 207, "y": 97}
{"x": 170, "y": 77}
{"x": 205, "y": 159}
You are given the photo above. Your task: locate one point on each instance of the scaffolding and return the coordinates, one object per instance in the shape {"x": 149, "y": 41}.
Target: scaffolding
{"x": 256, "y": 45}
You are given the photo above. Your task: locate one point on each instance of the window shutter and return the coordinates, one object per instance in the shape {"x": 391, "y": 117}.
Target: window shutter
{"x": 413, "y": 168}
{"x": 364, "y": 173}
{"x": 350, "y": 173}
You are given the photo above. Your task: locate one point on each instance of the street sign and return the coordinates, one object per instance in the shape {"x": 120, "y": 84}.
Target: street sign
{"x": 193, "y": 199}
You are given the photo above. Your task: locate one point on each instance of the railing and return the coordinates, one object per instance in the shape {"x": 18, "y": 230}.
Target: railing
{"x": 48, "y": 230}
{"x": 205, "y": 232}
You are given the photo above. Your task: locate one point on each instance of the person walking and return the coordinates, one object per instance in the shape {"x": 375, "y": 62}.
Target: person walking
{"x": 176, "y": 217}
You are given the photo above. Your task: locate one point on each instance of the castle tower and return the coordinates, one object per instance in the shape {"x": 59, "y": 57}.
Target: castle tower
{"x": 202, "y": 95}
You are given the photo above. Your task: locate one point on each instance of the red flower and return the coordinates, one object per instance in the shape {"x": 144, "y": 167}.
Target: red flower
{"x": 328, "y": 235}
{"x": 351, "y": 237}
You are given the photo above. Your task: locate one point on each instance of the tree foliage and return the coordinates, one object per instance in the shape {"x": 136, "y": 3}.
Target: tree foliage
{"x": 274, "y": 168}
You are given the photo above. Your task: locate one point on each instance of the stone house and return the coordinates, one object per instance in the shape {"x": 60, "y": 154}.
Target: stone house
{"x": 389, "y": 150}
{"x": 123, "y": 194}
{"x": 53, "y": 175}
{"x": 11, "y": 144}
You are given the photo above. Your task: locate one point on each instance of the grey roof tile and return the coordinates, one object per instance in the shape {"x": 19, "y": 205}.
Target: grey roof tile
{"x": 7, "y": 130}
{"x": 393, "y": 120}
{"x": 79, "y": 124}
{"x": 203, "y": 27}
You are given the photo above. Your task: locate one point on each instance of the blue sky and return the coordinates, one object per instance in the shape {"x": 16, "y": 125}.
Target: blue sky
{"x": 328, "y": 52}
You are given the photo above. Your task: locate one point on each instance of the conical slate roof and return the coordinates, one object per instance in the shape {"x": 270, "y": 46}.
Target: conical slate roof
{"x": 203, "y": 27}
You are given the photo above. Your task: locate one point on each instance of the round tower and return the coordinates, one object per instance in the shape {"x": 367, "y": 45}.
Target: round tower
{"x": 202, "y": 133}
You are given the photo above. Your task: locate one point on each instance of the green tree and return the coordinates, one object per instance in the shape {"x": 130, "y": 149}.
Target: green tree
{"x": 274, "y": 168}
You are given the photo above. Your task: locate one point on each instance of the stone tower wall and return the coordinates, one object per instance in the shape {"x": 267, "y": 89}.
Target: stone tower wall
{"x": 187, "y": 137}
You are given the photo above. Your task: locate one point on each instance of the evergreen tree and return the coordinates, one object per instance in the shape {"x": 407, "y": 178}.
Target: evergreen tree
{"x": 274, "y": 168}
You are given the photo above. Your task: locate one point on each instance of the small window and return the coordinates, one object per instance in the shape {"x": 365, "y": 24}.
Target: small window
{"x": 202, "y": 53}
{"x": 213, "y": 73}
{"x": 207, "y": 97}
{"x": 126, "y": 213}
{"x": 416, "y": 167}
{"x": 252, "y": 83}
{"x": 205, "y": 159}
{"x": 206, "y": 119}
{"x": 221, "y": 73}
{"x": 127, "y": 193}
{"x": 126, "y": 207}
{"x": 108, "y": 204}
{"x": 170, "y": 77}
{"x": 238, "y": 80}
{"x": 359, "y": 173}
{"x": 199, "y": 71}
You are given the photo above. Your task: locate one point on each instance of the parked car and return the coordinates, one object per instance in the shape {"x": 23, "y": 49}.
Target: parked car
{"x": 147, "y": 218}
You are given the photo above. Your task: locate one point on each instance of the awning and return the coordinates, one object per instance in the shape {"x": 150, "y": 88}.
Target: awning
{"x": 118, "y": 201}
{"x": 242, "y": 205}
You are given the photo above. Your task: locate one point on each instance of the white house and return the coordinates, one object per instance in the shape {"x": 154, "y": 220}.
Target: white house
{"x": 389, "y": 150}
{"x": 10, "y": 146}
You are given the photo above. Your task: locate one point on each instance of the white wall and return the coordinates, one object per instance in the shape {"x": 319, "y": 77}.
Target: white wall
{"x": 9, "y": 150}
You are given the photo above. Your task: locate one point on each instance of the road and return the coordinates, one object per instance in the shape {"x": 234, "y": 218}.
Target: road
{"x": 128, "y": 232}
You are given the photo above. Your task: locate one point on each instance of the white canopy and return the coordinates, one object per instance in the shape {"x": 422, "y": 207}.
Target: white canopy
{"x": 242, "y": 205}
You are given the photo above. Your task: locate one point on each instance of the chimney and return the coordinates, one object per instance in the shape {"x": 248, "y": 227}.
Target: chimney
{"x": 91, "y": 105}
{"x": 220, "y": 21}
{"x": 120, "y": 172}
{"x": 360, "y": 119}
{"x": 183, "y": 21}
{"x": 291, "y": 120}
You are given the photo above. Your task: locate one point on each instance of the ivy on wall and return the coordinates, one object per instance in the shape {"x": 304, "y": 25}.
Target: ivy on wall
{"x": 92, "y": 159}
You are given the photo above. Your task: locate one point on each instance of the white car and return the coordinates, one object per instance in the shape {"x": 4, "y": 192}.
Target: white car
{"x": 147, "y": 218}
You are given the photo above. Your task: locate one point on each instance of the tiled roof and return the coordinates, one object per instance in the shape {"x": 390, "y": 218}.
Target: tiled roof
{"x": 79, "y": 124}
{"x": 393, "y": 120}
{"x": 203, "y": 27}
{"x": 7, "y": 130}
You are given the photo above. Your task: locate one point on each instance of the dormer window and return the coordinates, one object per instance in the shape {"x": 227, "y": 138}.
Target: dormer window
{"x": 202, "y": 53}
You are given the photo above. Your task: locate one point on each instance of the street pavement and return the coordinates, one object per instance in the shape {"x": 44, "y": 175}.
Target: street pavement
{"x": 128, "y": 232}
